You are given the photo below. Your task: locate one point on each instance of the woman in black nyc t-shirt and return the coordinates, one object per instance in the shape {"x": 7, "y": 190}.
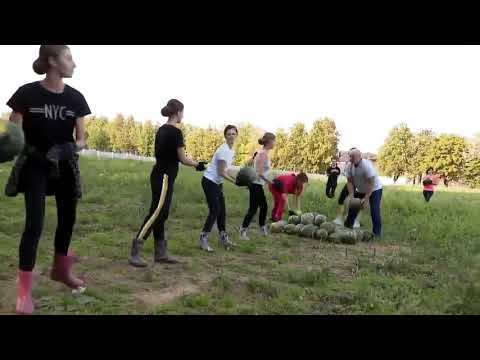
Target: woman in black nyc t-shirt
{"x": 169, "y": 151}
{"x": 50, "y": 112}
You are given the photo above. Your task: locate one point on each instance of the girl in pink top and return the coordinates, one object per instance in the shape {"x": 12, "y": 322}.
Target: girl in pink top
{"x": 429, "y": 183}
{"x": 282, "y": 186}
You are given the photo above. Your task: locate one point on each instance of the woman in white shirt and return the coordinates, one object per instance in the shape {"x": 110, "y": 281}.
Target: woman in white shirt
{"x": 212, "y": 184}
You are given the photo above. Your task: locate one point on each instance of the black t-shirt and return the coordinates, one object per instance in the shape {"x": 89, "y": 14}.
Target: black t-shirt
{"x": 48, "y": 118}
{"x": 167, "y": 141}
{"x": 333, "y": 175}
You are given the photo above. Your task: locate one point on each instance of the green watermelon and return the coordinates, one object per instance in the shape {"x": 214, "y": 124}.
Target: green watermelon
{"x": 349, "y": 237}
{"x": 355, "y": 203}
{"x": 246, "y": 176}
{"x": 307, "y": 218}
{"x": 321, "y": 234}
{"x": 294, "y": 219}
{"x": 366, "y": 235}
{"x": 335, "y": 237}
{"x": 320, "y": 219}
{"x": 12, "y": 140}
{"x": 277, "y": 227}
{"x": 299, "y": 228}
{"x": 289, "y": 229}
{"x": 309, "y": 231}
{"x": 328, "y": 226}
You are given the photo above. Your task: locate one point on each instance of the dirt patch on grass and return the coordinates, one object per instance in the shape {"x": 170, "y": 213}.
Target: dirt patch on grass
{"x": 167, "y": 295}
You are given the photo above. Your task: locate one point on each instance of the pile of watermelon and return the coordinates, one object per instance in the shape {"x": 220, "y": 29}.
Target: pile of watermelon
{"x": 317, "y": 226}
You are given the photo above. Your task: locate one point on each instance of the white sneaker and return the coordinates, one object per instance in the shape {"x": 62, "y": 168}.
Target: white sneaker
{"x": 204, "y": 243}
{"x": 264, "y": 230}
{"x": 356, "y": 225}
{"x": 243, "y": 234}
{"x": 338, "y": 220}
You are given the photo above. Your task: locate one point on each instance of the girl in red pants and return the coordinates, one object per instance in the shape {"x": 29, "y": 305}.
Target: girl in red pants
{"x": 281, "y": 187}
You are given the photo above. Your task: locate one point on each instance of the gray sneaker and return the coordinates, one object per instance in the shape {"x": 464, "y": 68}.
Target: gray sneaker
{"x": 264, "y": 230}
{"x": 204, "y": 242}
{"x": 243, "y": 234}
{"x": 225, "y": 241}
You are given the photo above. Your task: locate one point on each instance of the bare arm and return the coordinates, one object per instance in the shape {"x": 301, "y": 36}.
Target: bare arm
{"x": 350, "y": 187}
{"x": 365, "y": 200}
{"x": 222, "y": 167}
{"x": 184, "y": 159}
{"x": 80, "y": 133}
{"x": 16, "y": 118}
{"x": 260, "y": 164}
{"x": 297, "y": 202}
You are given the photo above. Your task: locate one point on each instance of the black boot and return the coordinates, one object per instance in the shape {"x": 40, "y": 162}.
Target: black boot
{"x": 135, "y": 259}
{"x": 160, "y": 255}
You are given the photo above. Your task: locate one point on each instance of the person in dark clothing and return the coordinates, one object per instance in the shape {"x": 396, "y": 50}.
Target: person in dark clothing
{"x": 169, "y": 151}
{"x": 333, "y": 172}
{"x": 262, "y": 165}
{"x": 50, "y": 112}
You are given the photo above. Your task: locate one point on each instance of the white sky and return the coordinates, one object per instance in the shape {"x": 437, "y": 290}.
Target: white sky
{"x": 366, "y": 89}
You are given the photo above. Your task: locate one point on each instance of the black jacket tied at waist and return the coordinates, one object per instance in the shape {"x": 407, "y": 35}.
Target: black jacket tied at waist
{"x": 65, "y": 153}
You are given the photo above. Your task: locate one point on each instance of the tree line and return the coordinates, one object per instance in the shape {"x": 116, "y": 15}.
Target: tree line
{"x": 411, "y": 154}
{"x": 297, "y": 149}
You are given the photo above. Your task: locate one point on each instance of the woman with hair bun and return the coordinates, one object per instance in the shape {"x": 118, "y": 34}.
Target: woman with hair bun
{"x": 50, "y": 113}
{"x": 261, "y": 164}
{"x": 169, "y": 151}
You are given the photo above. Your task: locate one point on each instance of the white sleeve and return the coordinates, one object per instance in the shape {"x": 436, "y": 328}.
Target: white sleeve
{"x": 370, "y": 170}
{"x": 347, "y": 171}
{"x": 222, "y": 154}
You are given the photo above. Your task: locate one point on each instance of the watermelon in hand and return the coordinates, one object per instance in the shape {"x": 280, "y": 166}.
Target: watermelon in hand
{"x": 12, "y": 140}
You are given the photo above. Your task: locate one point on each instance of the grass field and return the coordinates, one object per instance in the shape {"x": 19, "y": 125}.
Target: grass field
{"x": 428, "y": 261}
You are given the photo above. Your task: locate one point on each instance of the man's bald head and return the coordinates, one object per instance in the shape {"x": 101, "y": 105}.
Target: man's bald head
{"x": 355, "y": 156}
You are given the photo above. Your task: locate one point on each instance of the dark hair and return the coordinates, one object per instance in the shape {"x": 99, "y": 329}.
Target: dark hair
{"x": 173, "y": 106}
{"x": 302, "y": 177}
{"x": 229, "y": 127}
{"x": 266, "y": 138}
{"x": 41, "y": 65}
{"x": 430, "y": 168}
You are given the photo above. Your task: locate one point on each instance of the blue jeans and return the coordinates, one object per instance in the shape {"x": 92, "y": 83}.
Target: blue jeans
{"x": 375, "y": 201}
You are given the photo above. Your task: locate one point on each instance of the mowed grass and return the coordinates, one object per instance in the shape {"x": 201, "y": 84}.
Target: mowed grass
{"x": 427, "y": 262}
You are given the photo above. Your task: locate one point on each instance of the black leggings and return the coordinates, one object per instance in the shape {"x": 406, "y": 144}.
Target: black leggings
{"x": 343, "y": 195}
{"x": 257, "y": 200}
{"x": 159, "y": 219}
{"x": 427, "y": 195}
{"x": 331, "y": 187}
{"x": 35, "y": 181}
{"x": 216, "y": 205}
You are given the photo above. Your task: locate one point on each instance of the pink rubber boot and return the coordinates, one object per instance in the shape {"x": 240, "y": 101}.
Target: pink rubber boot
{"x": 24, "y": 296}
{"x": 61, "y": 272}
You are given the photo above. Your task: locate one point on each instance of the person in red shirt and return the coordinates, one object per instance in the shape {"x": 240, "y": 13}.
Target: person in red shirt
{"x": 429, "y": 183}
{"x": 282, "y": 186}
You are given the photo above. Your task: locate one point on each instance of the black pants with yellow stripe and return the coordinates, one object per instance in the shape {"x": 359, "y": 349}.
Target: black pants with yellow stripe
{"x": 158, "y": 226}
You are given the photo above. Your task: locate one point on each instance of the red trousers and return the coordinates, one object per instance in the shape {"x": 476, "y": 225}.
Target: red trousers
{"x": 279, "y": 203}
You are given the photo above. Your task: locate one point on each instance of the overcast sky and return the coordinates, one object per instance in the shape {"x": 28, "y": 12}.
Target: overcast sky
{"x": 366, "y": 89}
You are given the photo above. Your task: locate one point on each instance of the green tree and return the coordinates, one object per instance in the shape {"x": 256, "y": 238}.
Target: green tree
{"x": 395, "y": 156}
{"x": 321, "y": 145}
{"x": 146, "y": 139}
{"x": 246, "y": 143}
{"x": 422, "y": 145}
{"x": 472, "y": 170}
{"x": 115, "y": 133}
{"x": 201, "y": 144}
{"x": 295, "y": 148}
{"x": 97, "y": 133}
{"x": 279, "y": 155}
{"x": 448, "y": 157}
